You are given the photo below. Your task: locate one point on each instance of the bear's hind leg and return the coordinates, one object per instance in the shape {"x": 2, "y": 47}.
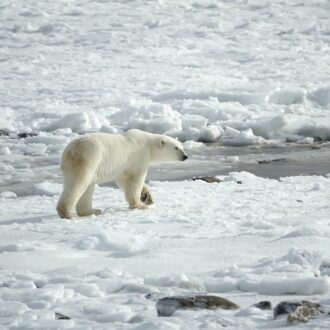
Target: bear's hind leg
{"x": 84, "y": 205}
{"x": 73, "y": 190}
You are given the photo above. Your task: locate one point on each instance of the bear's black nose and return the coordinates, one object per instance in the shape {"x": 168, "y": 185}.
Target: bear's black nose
{"x": 184, "y": 157}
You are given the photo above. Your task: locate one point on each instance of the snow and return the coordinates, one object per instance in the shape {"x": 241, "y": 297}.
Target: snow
{"x": 166, "y": 67}
{"x": 240, "y": 241}
{"x": 243, "y": 76}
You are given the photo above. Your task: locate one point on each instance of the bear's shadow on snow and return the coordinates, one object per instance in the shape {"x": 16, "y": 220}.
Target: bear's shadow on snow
{"x": 39, "y": 219}
{"x": 28, "y": 220}
{"x": 115, "y": 210}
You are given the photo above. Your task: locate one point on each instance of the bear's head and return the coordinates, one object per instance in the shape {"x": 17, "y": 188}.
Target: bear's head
{"x": 169, "y": 150}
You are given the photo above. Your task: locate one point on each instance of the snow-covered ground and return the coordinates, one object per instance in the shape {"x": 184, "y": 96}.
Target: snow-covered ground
{"x": 187, "y": 68}
{"x": 260, "y": 239}
{"x": 251, "y": 73}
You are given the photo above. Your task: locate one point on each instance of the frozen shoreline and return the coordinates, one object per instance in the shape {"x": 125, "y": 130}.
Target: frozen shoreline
{"x": 267, "y": 161}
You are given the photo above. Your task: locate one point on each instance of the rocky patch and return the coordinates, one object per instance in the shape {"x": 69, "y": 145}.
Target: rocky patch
{"x": 167, "y": 306}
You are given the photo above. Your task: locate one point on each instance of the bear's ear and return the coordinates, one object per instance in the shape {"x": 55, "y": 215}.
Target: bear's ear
{"x": 161, "y": 143}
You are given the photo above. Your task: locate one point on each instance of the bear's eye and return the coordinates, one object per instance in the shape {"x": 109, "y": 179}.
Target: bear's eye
{"x": 176, "y": 148}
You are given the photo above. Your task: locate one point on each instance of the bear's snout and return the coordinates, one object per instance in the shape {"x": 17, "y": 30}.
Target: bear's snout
{"x": 184, "y": 157}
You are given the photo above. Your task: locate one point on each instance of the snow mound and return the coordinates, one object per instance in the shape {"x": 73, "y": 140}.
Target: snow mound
{"x": 267, "y": 277}
{"x": 79, "y": 122}
{"x": 210, "y": 133}
{"x": 36, "y": 148}
{"x": 149, "y": 116}
{"x": 287, "y": 96}
{"x": 268, "y": 127}
{"x": 178, "y": 281}
{"x": 86, "y": 289}
{"x": 119, "y": 246}
{"x": 191, "y": 145}
{"x": 298, "y": 286}
{"x": 26, "y": 246}
{"x": 48, "y": 28}
{"x": 193, "y": 121}
{"x": 214, "y": 110}
{"x": 321, "y": 96}
{"x": 305, "y": 232}
{"x": 234, "y": 137}
{"x": 107, "y": 312}
{"x": 7, "y": 194}
{"x": 6, "y": 125}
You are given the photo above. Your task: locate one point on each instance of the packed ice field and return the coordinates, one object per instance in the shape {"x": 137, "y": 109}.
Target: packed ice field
{"x": 231, "y": 73}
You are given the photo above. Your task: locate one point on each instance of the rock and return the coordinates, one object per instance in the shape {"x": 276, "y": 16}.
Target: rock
{"x": 287, "y": 307}
{"x": 208, "y": 179}
{"x": 325, "y": 268}
{"x": 304, "y": 313}
{"x": 319, "y": 139}
{"x": 167, "y": 306}
{"x": 263, "y": 305}
{"x": 60, "y": 316}
{"x": 25, "y": 135}
{"x": 269, "y": 161}
{"x": 3, "y": 133}
{"x": 264, "y": 161}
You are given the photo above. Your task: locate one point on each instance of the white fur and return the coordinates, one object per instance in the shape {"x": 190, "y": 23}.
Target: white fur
{"x": 101, "y": 157}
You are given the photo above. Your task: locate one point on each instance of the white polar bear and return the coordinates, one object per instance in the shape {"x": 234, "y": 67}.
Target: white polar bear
{"x": 101, "y": 157}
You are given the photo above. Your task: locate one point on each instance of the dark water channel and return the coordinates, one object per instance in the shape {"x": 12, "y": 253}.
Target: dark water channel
{"x": 269, "y": 161}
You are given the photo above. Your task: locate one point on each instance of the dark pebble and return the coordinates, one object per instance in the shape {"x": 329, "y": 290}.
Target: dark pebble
{"x": 25, "y": 135}
{"x": 266, "y": 161}
{"x": 60, "y": 316}
{"x": 263, "y": 305}
{"x": 208, "y": 179}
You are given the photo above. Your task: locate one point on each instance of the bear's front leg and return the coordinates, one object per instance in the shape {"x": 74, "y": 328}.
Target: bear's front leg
{"x": 146, "y": 197}
{"x": 132, "y": 186}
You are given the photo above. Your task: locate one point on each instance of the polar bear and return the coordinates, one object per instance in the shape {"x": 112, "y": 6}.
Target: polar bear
{"x": 102, "y": 157}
